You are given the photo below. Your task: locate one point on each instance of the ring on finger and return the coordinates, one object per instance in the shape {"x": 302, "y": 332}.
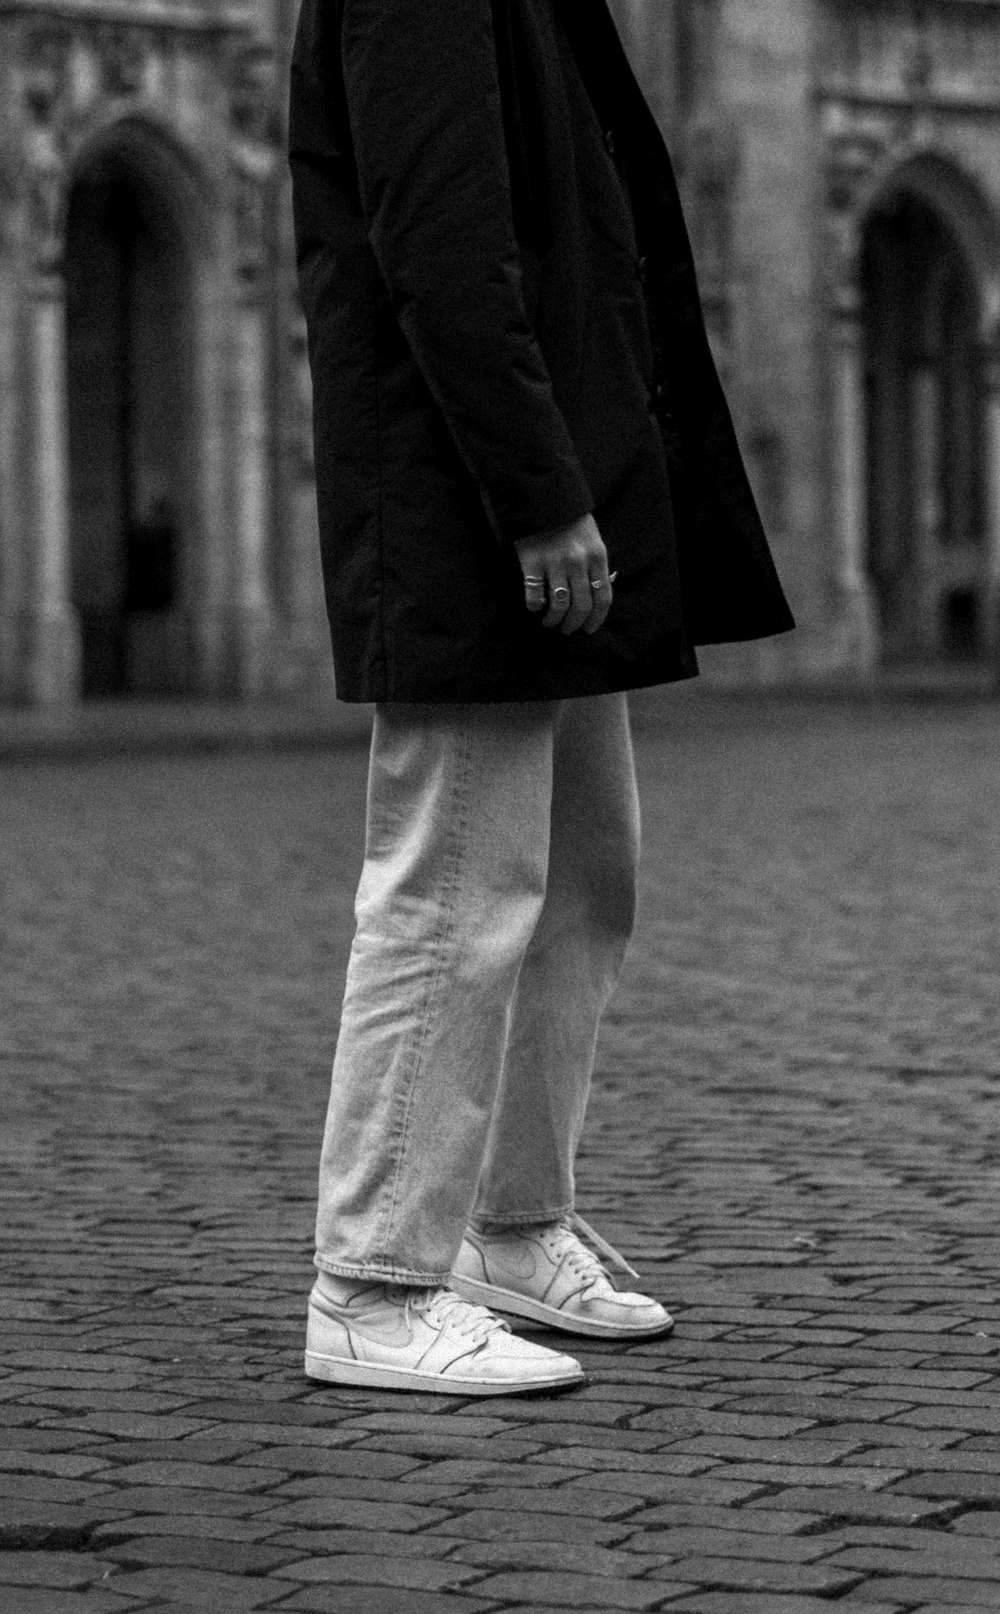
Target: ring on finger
{"x": 559, "y": 594}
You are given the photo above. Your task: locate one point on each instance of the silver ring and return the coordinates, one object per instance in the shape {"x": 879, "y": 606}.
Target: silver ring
{"x": 597, "y": 583}
{"x": 534, "y": 582}
{"x": 560, "y": 593}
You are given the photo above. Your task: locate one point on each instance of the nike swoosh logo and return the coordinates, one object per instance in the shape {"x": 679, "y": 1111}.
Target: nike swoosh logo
{"x": 382, "y": 1334}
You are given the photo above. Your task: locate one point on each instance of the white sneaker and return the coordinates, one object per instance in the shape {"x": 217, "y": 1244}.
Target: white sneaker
{"x": 549, "y": 1275}
{"x": 425, "y": 1339}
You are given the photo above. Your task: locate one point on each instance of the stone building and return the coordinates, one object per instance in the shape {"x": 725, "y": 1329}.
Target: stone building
{"x": 157, "y": 534}
{"x": 840, "y": 161}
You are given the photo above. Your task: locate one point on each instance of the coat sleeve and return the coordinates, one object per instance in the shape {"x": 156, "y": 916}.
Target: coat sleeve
{"x": 423, "y": 98}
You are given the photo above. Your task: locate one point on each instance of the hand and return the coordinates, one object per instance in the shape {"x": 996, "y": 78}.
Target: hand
{"x": 566, "y": 575}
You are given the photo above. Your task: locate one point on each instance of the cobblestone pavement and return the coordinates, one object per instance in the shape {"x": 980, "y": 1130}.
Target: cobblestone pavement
{"x": 794, "y": 1133}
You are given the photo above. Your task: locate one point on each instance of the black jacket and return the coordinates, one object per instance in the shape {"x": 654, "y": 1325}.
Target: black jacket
{"x": 505, "y": 334}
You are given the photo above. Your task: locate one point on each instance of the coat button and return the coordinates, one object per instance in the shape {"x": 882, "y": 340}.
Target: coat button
{"x": 609, "y": 142}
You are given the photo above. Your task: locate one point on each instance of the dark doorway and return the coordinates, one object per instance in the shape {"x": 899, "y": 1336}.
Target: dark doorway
{"x": 130, "y": 393}
{"x": 927, "y": 550}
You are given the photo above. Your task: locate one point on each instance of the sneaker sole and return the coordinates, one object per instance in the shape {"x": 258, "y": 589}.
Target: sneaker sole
{"x": 376, "y": 1376}
{"x": 508, "y": 1300}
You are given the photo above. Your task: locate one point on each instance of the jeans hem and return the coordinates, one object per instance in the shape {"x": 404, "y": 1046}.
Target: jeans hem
{"x": 522, "y": 1218}
{"x": 380, "y": 1272}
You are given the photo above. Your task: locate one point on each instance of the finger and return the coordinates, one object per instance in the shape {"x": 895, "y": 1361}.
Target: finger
{"x": 534, "y": 591}
{"x": 602, "y": 594}
{"x": 560, "y": 601}
{"x": 582, "y": 600}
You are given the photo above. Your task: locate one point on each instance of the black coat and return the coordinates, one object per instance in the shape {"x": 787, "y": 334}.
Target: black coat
{"x": 505, "y": 334}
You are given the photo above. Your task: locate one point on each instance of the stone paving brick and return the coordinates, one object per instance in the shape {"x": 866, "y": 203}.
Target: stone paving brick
{"x": 981, "y": 1417}
{"x": 785, "y": 1450}
{"x": 366, "y": 1464}
{"x": 606, "y": 1457}
{"x": 568, "y": 1557}
{"x": 891, "y": 1434}
{"x": 815, "y": 1474}
{"x": 113, "y": 1401}
{"x": 940, "y": 1608}
{"x": 916, "y": 1592}
{"x": 188, "y": 1525}
{"x": 740, "y": 1541}
{"x": 850, "y": 1502}
{"x": 973, "y": 1487}
{"x": 976, "y": 1523}
{"x": 46, "y": 1600}
{"x": 528, "y": 1588}
{"x": 677, "y": 1515}
{"x": 182, "y": 1499}
{"x": 381, "y": 1543}
{"x": 591, "y": 1503}
{"x": 66, "y": 1465}
{"x": 762, "y": 1575}
{"x": 62, "y": 1570}
{"x": 332, "y": 1486}
{"x": 744, "y": 1603}
{"x": 23, "y": 1439}
{"x": 203, "y": 1588}
{"x": 195, "y": 1552}
{"x": 501, "y": 1448}
{"x": 200, "y": 1476}
{"x": 373, "y": 1569}
{"x": 661, "y": 1487}
{"x": 386, "y": 1600}
{"x": 944, "y": 1559}
{"x": 32, "y": 1487}
{"x": 279, "y": 1434}
{"x": 506, "y": 1524}
{"x": 320, "y": 1512}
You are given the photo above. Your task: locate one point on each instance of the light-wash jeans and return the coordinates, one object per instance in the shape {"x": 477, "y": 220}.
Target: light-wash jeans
{"x": 494, "y": 911}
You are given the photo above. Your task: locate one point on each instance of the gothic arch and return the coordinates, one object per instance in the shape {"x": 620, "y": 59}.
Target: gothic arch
{"x": 918, "y": 576}
{"x": 925, "y": 272}
{"x": 155, "y": 160}
{"x": 137, "y": 263}
{"x": 945, "y": 187}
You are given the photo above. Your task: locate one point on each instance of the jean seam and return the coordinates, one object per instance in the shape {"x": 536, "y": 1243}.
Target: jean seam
{"x": 459, "y": 806}
{"x": 525, "y": 1218}
{"x": 374, "y": 1272}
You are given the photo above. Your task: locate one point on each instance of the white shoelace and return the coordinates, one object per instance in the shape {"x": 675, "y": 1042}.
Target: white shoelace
{"x": 585, "y": 1260}
{"x": 445, "y": 1309}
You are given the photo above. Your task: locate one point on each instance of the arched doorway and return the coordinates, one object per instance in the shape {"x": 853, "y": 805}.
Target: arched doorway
{"x": 131, "y": 421}
{"x": 927, "y": 520}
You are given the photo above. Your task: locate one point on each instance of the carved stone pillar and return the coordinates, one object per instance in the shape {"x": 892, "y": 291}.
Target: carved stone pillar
{"x": 991, "y": 388}
{"x": 251, "y": 503}
{"x": 856, "y": 608}
{"x": 252, "y": 167}
{"x": 50, "y": 647}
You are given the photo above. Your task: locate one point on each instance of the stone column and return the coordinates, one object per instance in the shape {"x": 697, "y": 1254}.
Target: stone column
{"x": 927, "y": 506}
{"x": 253, "y": 164}
{"x": 251, "y": 501}
{"x": 991, "y": 390}
{"x": 49, "y": 628}
{"x": 856, "y": 609}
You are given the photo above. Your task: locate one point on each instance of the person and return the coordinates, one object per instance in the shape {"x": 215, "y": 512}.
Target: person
{"x": 531, "y": 501}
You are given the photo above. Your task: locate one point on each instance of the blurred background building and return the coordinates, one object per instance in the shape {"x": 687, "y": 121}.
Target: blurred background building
{"x": 840, "y": 163}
